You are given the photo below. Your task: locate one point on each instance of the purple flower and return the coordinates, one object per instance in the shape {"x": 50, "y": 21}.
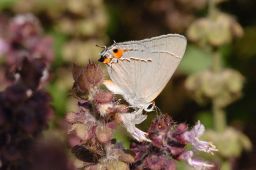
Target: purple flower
{"x": 86, "y": 78}
{"x": 197, "y": 164}
{"x": 50, "y": 150}
{"x": 193, "y": 135}
{"x": 158, "y": 130}
{"x": 91, "y": 128}
{"x": 4, "y": 47}
{"x": 24, "y": 107}
{"x": 91, "y": 131}
{"x": 24, "y": 112}
{"x": 159, "y": 162}
{"x": 24, "y": 39}
{"x": 168, "y": 143}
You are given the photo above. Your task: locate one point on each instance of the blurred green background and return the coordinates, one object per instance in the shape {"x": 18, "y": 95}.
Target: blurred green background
{"x": 222, "y": 28}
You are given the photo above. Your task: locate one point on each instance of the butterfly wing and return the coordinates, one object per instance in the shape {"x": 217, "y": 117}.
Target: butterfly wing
{"x": 174, "y": 44}
{"x": 143, "y": 81}
{"x": 157, "y": 74}
{"x": 147, "y": 79}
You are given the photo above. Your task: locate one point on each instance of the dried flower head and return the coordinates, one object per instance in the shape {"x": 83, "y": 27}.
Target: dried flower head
{"x": 24, "y": 29}
{"x": 24, "y": 39}
{"x": 103, "y": 97}
{"x": 224, "y": 86}
{"x": 173, "y": 10}
{"x": 24, "y": 107}
{"x": 215, "y": 31}
{"x": 25, "y": 111}
{"x": 169, "y": 141}
{"x": 86, "y": 78}
{"x": 50, "y": 150}
{"x": 4, "y": 46}
{"x": 92, "y": 127}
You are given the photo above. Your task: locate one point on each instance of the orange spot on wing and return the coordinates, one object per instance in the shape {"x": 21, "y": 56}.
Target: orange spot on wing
{"x": 119, "y": 53}
{"x": 107, "y": 60}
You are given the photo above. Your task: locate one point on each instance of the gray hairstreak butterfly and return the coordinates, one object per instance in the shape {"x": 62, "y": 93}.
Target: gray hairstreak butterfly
{"x": 139, "y": 71}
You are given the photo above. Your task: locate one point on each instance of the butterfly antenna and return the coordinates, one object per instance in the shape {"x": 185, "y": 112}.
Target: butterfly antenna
{"x": 104, "y": 47}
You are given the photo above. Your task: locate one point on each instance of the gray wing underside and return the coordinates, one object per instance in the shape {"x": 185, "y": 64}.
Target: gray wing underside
{"x": 144, "y": 81}
{"x": 174, "y": 44}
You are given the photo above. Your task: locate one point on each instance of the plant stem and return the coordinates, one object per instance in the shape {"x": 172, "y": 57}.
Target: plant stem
{"x": 218, "y": 112}
{"x": 212, "y": 9}
{"x": 219, "y": 118}
{"x": 216, "y": 61}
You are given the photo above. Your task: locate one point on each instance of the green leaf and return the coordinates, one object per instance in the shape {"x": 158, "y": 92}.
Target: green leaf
{"x": 225, "y": 165}
{"x": 122, "y": 137}
{"x": 59, "y": 99}
{"x": 59, "y": 40}
{"x": 6, "y": 4}
{"x": 206, "y": 119}
{"x": 195, "y": 60}
{"x": 182, "y": 165}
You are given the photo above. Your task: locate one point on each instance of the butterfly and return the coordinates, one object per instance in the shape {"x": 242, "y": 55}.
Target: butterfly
{"x": 139, "y": 71}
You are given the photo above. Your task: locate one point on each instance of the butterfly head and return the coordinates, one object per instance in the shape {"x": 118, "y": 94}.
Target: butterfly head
{"x": 111, "y": 54}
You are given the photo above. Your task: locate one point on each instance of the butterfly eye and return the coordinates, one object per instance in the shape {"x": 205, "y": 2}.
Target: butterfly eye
{"x": 115, "y": 50}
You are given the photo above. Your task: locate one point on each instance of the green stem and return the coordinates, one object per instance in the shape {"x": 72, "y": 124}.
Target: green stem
{"x": 219, "y": 118}
{"x": 218, "y": 112}
{"x": 216, "y": 61}
{"x": 212, "y": 9}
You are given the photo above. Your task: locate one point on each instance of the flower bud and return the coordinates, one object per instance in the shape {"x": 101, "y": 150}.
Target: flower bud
{"x": 103, "y": 133}
{"x": 121, "y": 108}
{"x": 125, "y": 157}
{"x": 105, "y": 109}
{"x": 73, "y": 140}
{"x": 112, "y": 165}
{"x": 82, "y": 131}
{"x": 159, "y": 162}
{"x": 94, "y": 74}
{"x": 223, "y": 87}
{"x": 215, "y": 31}
{"x": 103, "y": 97}
{"x": 71, "y": 117}
{"x": 86, "y": 77}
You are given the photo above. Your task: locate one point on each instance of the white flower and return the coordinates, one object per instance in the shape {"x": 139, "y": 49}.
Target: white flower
{"x": 104, "y": 108}
{"x": 129, "y": 121}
